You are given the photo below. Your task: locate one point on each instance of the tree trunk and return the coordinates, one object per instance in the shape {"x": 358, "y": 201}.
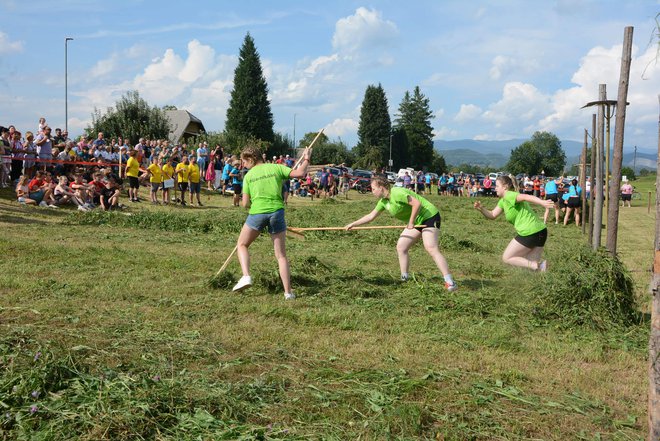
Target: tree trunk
{"x": 654, "y": 339}
{"x": 583, "y": 178}
{"x": 624, "y": 78}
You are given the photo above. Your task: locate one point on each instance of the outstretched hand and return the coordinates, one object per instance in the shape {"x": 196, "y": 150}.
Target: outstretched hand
{"x": 477, "y": 205}
{"x": 547, "y": 203}
{"x": 349, "y": 226}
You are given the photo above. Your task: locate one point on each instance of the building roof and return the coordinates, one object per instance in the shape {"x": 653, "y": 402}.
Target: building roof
{"x": 183, "y": 124}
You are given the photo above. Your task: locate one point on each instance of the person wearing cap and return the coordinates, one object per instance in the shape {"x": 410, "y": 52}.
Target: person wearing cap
{"x": 288, "y": 161}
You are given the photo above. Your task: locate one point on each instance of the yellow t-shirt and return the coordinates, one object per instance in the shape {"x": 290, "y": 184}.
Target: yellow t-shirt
{"x": 168, "y": 172}
{"x": 132, "y": 167}
{"x": 183, "y": 170}
{"x": 156, "y": 174}
{"x": 193, "y": 175}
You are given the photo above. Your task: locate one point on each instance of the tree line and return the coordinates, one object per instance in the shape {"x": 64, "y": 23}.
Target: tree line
{"x": 407, "y": 141}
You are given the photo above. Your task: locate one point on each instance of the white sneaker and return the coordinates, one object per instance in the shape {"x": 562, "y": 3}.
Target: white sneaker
{"x": 451, "y": 287}
{"x": 53, "y": 206}
{"x": 289, "y": 296}
{"x": 243, "y": 283}
{"x": 43, "y": 204}
{"x": 82, "y": 208}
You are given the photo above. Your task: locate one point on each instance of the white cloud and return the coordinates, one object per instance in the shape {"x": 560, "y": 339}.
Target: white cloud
{"x": 364, "y": 30}
{"x": 7, "y": 46}
{"x": 467, "y": 112}
{"x": 445, "y": 133}
{"x": 341, "y": 126}
{"x": 520, "y": 102}
{"x": 439, "y": 113}
{"x": 321, "y": 63}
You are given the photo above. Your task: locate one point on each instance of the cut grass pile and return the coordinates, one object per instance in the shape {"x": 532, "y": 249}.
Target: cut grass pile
{"x": 110, "y": 330}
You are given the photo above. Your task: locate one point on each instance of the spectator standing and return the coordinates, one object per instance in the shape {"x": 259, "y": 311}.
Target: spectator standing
{"x": 626, "y": 194}
{"x": 202, "y": 156}
{"x": 182, "y": 171}
{"x": 194, "y": 175}
{"x": 133, "y": 172}
{"x": 45, "y": 148}
{"x": 552, "y": 194}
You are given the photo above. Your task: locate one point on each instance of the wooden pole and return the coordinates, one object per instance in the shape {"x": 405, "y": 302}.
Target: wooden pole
{"x": 592, "y": 179}
{"x": 597, "y": 187}
{"x": 373, "y": 227}
{"x": 622, "y": 97}
{"x": 654, "y": 339}
{"x": 583, "y": 178}
{"x": 295, "y": 166}
{"x": 224, "y": 265}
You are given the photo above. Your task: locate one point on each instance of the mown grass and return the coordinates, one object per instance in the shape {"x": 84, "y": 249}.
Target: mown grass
{"x": 110, "y": 330}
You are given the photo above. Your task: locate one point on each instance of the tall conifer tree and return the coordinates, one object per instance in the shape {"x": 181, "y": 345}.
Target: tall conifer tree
{"x": 374, "y": 129}
{"x": 249, "y": 114}
{"x": 415, "y": 120}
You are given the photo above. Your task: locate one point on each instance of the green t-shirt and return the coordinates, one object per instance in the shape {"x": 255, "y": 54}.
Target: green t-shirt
{"x": 399, "y": 207}
{"x": 263, "y": 183}
{"x": 520, "y": 214}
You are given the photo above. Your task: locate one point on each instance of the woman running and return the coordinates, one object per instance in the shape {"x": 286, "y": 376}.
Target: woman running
{"x": 423, "y": 221}
{"x": 262, "y": 193}
{"x": 526, "y": 248}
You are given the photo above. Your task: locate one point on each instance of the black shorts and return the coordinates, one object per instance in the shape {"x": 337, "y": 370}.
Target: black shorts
{"x": 133, "y": 182}
{"x": 155, "y": 186}
{"x": 533, "y": 240}
{"x": 183, "y": 186}
{"x": 554, "y": 197}
{"x": 432, "y": 222}
{"x": 238, "y": 189}
{"x": 626, "y": 197}
{"x": 573, "y": 202}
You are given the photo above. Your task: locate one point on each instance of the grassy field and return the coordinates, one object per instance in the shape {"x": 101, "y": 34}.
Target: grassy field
{"x": 109, "y": 330}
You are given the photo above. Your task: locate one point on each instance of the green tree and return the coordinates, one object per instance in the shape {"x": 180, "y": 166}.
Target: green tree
{"x": 249, "y": 114}
{"x": 326, "y": 151}
{"x": 414, "y": 118}
{"x": 541, "y": 153}
{"x": 375, "y": 126}
{"x": 438, "y": 164}
{"x": 169, "y": 107}
{"x": 629, "y": 173}
{"x": 131, "y": 118}
{"x": 399, "y": 148}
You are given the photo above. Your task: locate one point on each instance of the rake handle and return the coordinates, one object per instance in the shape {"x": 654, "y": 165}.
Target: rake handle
{"x": 297, "y": 164}
{"x": 224, "y": 265}
{"x": 373, "y": 227}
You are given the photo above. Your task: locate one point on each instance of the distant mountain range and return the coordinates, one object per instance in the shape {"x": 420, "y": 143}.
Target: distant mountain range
{"x": 496, "y": 153}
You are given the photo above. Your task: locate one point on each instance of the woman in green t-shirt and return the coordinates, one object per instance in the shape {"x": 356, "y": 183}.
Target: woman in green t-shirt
{"x": 262, "y": 194}
{"x": 526, "y": 248}
{"x": 423, "y": 221}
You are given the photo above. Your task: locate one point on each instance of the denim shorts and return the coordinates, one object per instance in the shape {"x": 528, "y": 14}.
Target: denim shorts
{"x": 274, "y": 221}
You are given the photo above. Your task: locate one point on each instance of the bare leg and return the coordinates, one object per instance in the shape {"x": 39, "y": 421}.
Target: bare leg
{"x": 406, "y": 240}
{"x": 517, "y": 254}
{"x": 245, "y": 239}
{"x": 567, "y": 215}
{"x": 430, "y": 239}
{"x": 279, "y": 244}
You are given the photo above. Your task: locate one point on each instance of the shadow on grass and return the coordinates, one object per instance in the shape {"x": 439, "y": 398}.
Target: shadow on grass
{"x": 20, "y": 220}
{"x": 476, "y": 284}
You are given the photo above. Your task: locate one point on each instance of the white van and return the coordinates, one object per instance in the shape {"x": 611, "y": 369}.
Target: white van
{"x": 402, "y": 172}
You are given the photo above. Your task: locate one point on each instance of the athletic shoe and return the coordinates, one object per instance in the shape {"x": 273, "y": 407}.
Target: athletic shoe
{"x": 82, "y": 208}
{"x": 53, "y": 206}
{"x": 404, "y": 277}
{"x": 289, "y": 296}
{"x": 451, "y": 287}
{"x": 43, "y": 204}
{"x": 199, "y": 204}
{"x": 243, "y": 283}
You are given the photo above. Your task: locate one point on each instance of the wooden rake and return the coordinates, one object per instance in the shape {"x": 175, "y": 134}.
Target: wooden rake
{"x": 299, "y": 232}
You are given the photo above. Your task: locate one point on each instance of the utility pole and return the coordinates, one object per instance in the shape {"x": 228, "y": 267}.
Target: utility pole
{"x": 294, "y": 135}
{"x": 592, "y": 178}
{"x": 390, "y": 161}
{"x": 617, "y": 159}
{"x": 66, "y": 83}
{"x": 635, "y": 161}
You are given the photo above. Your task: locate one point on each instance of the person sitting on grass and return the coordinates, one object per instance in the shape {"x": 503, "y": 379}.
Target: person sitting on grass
{"x": 23, "y": 191}
{"x": 110, "y": 194}
{"x": 63, "y": 194}
{"x": 423, "y": 221}
{"x": 83, "y": 191}
{"x": 262, "y": 194}
{"x": 194, "y": 175}
{"x": 526, "y": 249}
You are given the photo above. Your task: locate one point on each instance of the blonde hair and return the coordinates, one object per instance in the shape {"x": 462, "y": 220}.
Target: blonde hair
{"x": 28, "y": 134}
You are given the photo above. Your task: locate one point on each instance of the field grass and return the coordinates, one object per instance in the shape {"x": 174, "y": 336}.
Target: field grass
{"x": 110, "y": 330}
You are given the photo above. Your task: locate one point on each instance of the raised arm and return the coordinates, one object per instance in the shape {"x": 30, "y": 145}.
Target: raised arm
{"x": 301, "y": 171}
{"x": 364, "y": 219}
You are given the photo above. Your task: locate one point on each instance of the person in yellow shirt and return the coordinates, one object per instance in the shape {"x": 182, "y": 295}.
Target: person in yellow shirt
{"x": 168, "y": 179}
{"x": 194, "y": 175}
{"x": 182, "y": 171}
{"x": 133, "y": 172}
{"x": 155, "y": 173}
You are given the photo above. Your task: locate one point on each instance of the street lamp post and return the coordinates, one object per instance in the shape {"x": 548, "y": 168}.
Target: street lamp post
{"x": 294, "y": 136}
{"x": 66, "y": 84}
{"x": 390, "y": 161}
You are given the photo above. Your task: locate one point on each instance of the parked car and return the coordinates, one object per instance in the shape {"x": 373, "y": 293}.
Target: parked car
{"x": 362, "y": 173}
{"x": 391, "y": 176}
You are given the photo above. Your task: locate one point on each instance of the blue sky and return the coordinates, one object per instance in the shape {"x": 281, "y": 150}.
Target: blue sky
{"x": 492, "y": 70}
